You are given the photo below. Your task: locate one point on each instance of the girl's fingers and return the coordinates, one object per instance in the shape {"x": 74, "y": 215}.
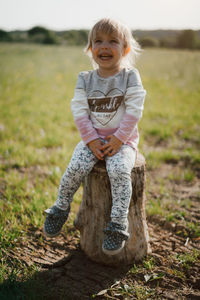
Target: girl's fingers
{"x": 108, "y": 150}
{"x": 105, "y": 146}
{"x": 112, "y": 153}
{"x": 98, "y": 154}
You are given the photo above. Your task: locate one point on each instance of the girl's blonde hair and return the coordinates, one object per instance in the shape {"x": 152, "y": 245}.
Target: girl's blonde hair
{"x": 109, "y": 26}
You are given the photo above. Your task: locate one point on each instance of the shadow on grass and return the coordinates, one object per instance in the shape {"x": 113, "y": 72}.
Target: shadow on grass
{"x": 73, "y": 277}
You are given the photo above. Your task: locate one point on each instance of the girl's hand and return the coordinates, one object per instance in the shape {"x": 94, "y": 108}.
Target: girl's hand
{"x": 113, "y": 145}
{"x": 96, "y": 147}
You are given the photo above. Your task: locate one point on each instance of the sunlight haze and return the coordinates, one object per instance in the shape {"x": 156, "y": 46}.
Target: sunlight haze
{"x": 76, "y": 14}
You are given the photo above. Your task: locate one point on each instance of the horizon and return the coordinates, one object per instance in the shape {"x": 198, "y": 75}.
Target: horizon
{"x": 137, "y": 29}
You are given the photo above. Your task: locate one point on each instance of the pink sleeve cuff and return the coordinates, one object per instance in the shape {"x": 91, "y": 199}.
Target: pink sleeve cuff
{"x": 126, "y": 128}
{"x": 87, "y": 131}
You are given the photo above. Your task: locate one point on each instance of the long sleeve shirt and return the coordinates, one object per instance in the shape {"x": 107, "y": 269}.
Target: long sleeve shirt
{"x": 112, "y": 105}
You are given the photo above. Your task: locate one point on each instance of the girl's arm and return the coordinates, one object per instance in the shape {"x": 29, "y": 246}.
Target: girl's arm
{"x": 80, "y": 110}
{"x": 134, "y": 102}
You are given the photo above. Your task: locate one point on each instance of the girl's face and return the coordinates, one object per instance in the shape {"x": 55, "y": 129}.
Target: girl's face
{"x": 107, "y": 51}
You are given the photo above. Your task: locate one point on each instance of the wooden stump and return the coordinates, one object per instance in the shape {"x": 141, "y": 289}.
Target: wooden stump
{"x": 94, "y": 214}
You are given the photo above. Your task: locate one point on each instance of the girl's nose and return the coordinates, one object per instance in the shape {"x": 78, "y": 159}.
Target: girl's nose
{"x": 105, "y": 45}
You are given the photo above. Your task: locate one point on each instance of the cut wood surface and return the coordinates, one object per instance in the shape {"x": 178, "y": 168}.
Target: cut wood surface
{"x": 94, "y": 214}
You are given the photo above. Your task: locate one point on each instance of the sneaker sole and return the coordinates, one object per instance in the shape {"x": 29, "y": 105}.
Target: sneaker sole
{"x": 113, "y": 252}
{"x": 51, "y": 235}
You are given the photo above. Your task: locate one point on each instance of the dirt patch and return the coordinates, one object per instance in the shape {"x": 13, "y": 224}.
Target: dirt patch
{"x": 172, "y": 271}
{"x": 66, "y": 269}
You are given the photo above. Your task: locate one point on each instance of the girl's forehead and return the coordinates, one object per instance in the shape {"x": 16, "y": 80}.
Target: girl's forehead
{"x": 106, "y": 34}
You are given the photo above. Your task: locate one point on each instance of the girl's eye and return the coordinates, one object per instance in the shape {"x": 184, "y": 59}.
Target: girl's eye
{"x": 114, "y": 41}
{"x": 97, "y": 41}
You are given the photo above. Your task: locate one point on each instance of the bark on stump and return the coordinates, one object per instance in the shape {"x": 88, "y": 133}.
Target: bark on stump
{"x": 94, "y": 214}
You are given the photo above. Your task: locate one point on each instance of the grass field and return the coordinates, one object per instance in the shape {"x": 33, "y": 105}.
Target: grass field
{"x": 38, "y": 135}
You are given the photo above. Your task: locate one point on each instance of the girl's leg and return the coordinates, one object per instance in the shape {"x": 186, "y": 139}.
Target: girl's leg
{"x": 119, "y": 167}
{"x": 82, "y": 162}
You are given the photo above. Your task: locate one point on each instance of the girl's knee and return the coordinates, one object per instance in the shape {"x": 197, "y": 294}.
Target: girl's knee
{"x": 118, "y": 171}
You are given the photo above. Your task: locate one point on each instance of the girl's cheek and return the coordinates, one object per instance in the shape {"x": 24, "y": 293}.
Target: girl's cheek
{"x": 95, "y": 50}
{"x": 114, "y": 50}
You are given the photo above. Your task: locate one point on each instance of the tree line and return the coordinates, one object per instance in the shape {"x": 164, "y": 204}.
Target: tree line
{"x": 184, "y": 39}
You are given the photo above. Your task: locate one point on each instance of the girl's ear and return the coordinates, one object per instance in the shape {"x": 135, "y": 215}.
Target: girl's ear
{"x": 127, "y": 50}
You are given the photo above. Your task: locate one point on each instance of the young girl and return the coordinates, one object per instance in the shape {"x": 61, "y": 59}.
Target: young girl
{"x": 107, "y": 106}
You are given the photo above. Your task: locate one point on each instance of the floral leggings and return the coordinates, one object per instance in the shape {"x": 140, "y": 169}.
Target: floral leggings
{"x": 119, "y": 168}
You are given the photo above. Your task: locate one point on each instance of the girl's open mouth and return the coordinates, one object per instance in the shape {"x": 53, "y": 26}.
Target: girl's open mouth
{"x": 105, "y": 56}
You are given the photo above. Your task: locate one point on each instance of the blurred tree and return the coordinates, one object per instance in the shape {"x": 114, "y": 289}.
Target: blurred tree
{"x": 50, "y": 38}
{"x": 42, "y": 35}
{"x": 168, "y": 42}
{"x": 5, "y": 36}
{"x": 83, "y": 37}
{"x": 149, "y": 42}
{"x": 187, "y": 39}
{"x": 37, "y": 30}
{"x": 76, "y": 37}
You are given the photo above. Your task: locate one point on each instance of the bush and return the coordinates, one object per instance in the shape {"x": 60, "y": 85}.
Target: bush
{"x": 50, "y": 38}
{"x": 5, "y": 36}
{"x": 168, "y": 42}
{"x": 76, "y": 37}
{"x": 188, "y": 39}
{"x": 42, "y": 35}
{"x": 149, "y": 42}
{"x": 37, "y": 30}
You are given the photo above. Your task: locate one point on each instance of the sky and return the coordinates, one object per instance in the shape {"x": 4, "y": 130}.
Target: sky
{"x": 78, "y": 14}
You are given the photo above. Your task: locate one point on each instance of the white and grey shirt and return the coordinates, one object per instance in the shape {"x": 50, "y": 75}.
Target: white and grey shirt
{"x": 112, "y": 105}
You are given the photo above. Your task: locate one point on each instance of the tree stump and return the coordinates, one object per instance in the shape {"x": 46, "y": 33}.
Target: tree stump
{"x": 94, "y": 214}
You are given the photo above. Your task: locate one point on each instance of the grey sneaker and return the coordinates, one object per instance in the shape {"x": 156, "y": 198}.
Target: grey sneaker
{"x": 115, "y": 237}
{"x": 55, "y": 220}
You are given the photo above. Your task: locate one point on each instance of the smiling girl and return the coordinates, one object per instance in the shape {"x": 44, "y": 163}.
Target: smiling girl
{"x": 107, "y": 105}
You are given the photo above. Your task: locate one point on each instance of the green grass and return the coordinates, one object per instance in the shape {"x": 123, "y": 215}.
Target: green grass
{"x": 171, "y": 114}
{"x": 38, "y": 135}
{"x": 180, "y": 175}
{"x": 188, "y": 259}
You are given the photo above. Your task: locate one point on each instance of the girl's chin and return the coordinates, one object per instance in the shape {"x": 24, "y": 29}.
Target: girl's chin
{"x": 105, "y": 60}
